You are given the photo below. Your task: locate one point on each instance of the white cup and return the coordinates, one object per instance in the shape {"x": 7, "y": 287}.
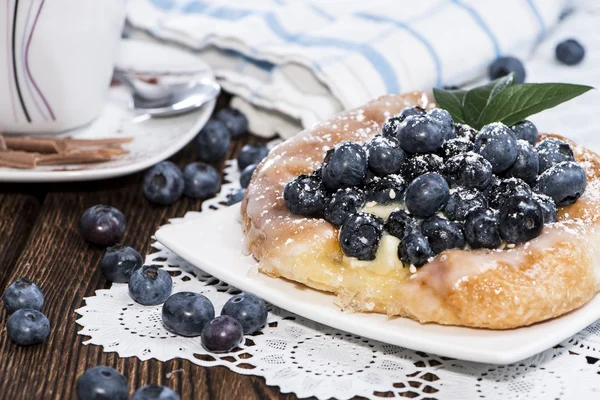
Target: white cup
{"x": 56, "y": 62}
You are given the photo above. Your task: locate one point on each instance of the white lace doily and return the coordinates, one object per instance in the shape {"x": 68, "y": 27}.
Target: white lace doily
{"x": 310, "y": 359}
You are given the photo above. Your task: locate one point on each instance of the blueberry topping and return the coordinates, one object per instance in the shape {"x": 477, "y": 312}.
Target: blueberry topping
{"x": 23, "y": 294}
{"x": 155, "y": 392}
{"x": 201, "y": 180}
{"x": 102, "y": 225}
{"x": 548, "y": 207}
{"x": 570, "y": 52}
{"x": 360, "y": 236}
{"x": 222, "y": 334}
{"x": 443, "y": 118}
{"x": 506, "y": 189}
{"x": 526, "y": 166}
{"x": 150, "y": 285}
{"x": 462, "y": 131}
{"x": 236, "y": 196}
{"x": 386, "y": 190}
{"x": 505, "y": 65}
{"x": 344, "y": 166}
{"x": 525, "y": 130}
{"x": 102, "y": 383}
{"x": 564, "y": 182}
{"x": 427, "y": 194}
{"x": 119, "y": 262}
{"x": 482, "y": 230}
{"x": 251, "y": 154}
{"x": 421, "y": 134}
{"x": 27, "y": 327}
{"x": 305, "y": 196}
{"x": 163, "y": 183}
{"x": 443, "y": 234}
{"x": 187, "y": 313}
{"x": 497, "y": 144}
{"x": 469, "y": 170}
{"x": 248, "y": 310}
{"x": 414, "y": 249}
{"x": 553, "y": 151}
{"x": 400, "y": 223}
{"x": 344, "y": 203}
{"x": 246, "y": 175}
{"x": 521, "y": 219}
{"x": 385, "y": 155}
{"x": 421, "y": 164}
{"x": 390, "y": 126}
{"x": 462, "y": 202}
{"x": 235, "y": 121}
{"x": 212, "y": 143}
{"x": 456, "y": 146}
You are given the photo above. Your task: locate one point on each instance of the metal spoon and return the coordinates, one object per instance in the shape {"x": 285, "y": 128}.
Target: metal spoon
{"x": 158, "y": 100}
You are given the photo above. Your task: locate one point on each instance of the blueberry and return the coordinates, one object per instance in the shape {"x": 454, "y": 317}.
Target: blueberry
{"x": 360, "y": 236}
{"x": 26, "y": 327}
{"x": 443, "y": 117}
{"x": 462, "y": 131}
{"x": 386, "y": 190}
{"x": 564, "y": 182}
{"x": 201, "y": 180}
{"x": 527, "y": 164}
{"x": 235, "y": 121}
{"x": 390, "y": 126}
{"x": 427, "y": 194}
{"x": 305, "y": 196}
{"x": 570, "y": 52}
{"x": 414, "y": 249}
{"x": 187, "y": 313}
{"x": 155, "y": 392}
{"x": 469, "y": 170}
{"x": 212, "y": 143}
{"x": 482, "y": 230}
{"x": 526, "y": 130}
{"x": 222, "y": 334}
{"x": 385, "y": 155}
{"x": 548, "y": 207}
{"x": 248, "y": 310}
{"x": 150, "y": 285}
{"x": 236, "y": 196}
{"x": 552, "y": 151}
{"x": 343, "y": 204}
{"x": 505, "y": 65}
{"x": 443, "y": 234}
{"x": 246, "y": 175}
{"x": 456, "y": 146}
{"x": 102, "y": 225}
{"x": 521, "y": 219}
{"x": 23, "y": 294}
{"x": 102, "y": 383}
{"x": 119, "y": 262}
{"x": 344, "y": 166}
{"x": 490, "y": 190}
{"x": 251, "y": 154}
{"x": 462, "y": 202}
{"x": 410, "y": 111}
{"x": 400, "y": 223}
{"x": 497, "y": 144}
{"x": 421, "y": 134}
{"x": 506, "y": 189}
{"x": 163, "y": 184}
{"x": 421, "y": 164}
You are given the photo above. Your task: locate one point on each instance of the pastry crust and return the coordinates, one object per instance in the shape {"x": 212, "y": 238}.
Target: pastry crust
{"x": 546, "y": 277}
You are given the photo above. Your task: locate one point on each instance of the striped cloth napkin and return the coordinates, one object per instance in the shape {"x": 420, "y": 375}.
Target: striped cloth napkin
{"x": 291, "y": 63}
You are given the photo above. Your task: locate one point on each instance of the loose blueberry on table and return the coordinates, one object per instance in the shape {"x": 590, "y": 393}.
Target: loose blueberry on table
{"x": 448, "y": 185}
{"x": 164, "y": 183}
{"x": 201, "y": 181}
{"x": 102, "y": 225}
{"x": 248, "y": 310}
{"x": 23, "y": 294}
{"x": 155, "y": 392}
{"x": 235, "y": 121}
{"x": 102, "y": 383}
{"x": 212, "y": 143}
{"x": 222, "y": 334}
{"x": 251, "y": 154}
{"x": 27, "y": 327}
{"x": 187, "y": 313}
{"x": 150, "y": 285}
{"x": 119, "y": 262}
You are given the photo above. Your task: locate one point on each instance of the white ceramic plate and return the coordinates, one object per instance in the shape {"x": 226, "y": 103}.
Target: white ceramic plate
{"x": 213, "y": 242}
{"x": 154, "y": 139}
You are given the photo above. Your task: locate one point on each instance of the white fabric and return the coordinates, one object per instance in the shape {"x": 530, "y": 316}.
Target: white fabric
{"x": 292, "y": 63}
{"x": 309, "y": 359}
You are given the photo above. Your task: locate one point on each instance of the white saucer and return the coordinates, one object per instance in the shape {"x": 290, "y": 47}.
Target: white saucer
{"x": 213, "y": 242}
{"x": 154, "y": 139}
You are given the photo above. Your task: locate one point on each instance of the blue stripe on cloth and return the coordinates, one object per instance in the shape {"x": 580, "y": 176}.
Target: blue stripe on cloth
{"x": 163, "y": 4}
{"x": 482, "y": 24}
{"x": 434, "y": 55}
{"x": 318, "y": 10}
{"x": 538, "y": 16}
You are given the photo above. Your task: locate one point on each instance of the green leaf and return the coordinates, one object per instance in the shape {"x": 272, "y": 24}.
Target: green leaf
{"x": 478, "y": 98}
{"x": 515, "y": 103}
{"x": 451, "y": 101}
